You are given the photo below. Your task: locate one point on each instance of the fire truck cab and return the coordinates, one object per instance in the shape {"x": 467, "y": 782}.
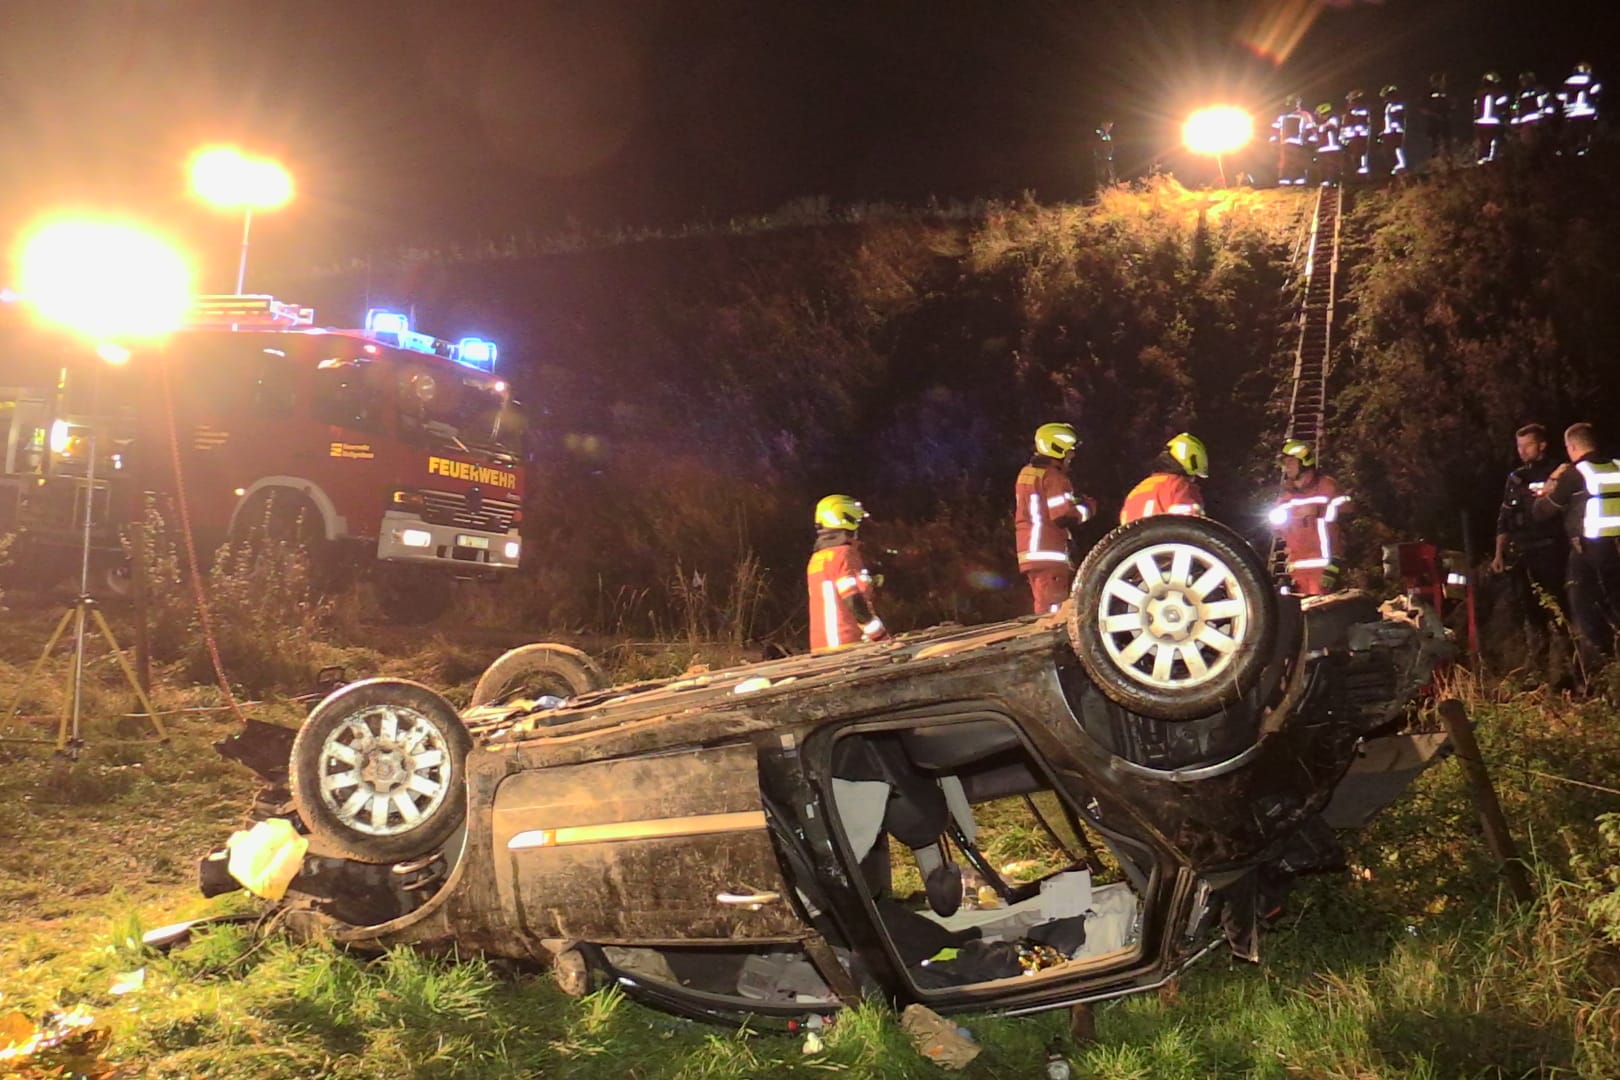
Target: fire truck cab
{"x": 383, "y": 442}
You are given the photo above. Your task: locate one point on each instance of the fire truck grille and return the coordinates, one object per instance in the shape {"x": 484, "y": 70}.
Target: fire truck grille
{"x": 490, "y": 515}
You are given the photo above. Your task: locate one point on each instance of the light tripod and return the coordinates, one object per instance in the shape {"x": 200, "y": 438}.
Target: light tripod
{"x": 84, "y": 609}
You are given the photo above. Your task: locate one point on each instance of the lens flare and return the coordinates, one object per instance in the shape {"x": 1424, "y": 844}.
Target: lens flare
{"x": 226, "y": 177}
{"x": 1219, "y": 129}
{"x": 106, "y": 280}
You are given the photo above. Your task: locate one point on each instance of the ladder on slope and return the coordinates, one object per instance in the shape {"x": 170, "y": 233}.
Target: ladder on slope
{"x": 1307, "y": 406}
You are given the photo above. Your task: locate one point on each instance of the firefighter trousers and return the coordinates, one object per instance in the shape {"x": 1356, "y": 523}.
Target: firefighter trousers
{"x": 1049, "y": 586}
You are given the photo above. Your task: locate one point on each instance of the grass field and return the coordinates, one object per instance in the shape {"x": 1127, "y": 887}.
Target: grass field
{"x": 1415, "y": 965}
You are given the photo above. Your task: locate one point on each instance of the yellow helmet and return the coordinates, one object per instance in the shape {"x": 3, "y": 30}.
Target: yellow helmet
{"x": 840, "y": 512}
{"x": 1299, "y": 448}
{"x": 1055, "y": 440}
{"x": 1189, "y": 452}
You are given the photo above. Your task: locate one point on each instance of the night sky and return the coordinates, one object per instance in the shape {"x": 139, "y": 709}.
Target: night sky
{"x": 435, "y": 121}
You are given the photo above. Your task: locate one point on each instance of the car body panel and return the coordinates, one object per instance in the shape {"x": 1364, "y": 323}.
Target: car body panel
{"x": 699, "y": 811}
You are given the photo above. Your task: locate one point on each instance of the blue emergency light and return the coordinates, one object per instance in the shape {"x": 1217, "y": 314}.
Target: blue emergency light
{"x": 383, "y": 321}
{"x": 477, "y": 353}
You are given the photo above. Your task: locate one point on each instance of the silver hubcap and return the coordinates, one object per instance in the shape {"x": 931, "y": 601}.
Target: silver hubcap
{"x": 385, "y": 769}
{"x": 1173, "y": 617}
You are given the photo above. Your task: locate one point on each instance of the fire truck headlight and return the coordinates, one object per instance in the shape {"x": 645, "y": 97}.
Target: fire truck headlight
{"x": 512, "y": 548}
{"x": 59, "y": 437}
{"x": 416, "y": 538}
{"x": 1278, "y": 515}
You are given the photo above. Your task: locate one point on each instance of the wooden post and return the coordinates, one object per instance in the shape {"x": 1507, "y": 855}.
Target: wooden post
{"x": 1491, "y": 818}
{"x": 1082, "y": 1024}
{"x": 138, "y": 596}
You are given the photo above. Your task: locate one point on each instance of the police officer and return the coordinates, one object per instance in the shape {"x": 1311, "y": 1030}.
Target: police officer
{"x": 1586, "y": 493}
{"x": 1437, "y": 118}
{"x": 1531, "y": 551}
{"x": 1102, "y": 155}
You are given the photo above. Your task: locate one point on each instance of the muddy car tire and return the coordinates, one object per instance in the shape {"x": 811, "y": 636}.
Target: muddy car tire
{"x": 1187, "y": 641}
{"x": 534, "y": 670}
{"x": 378, "y": 770}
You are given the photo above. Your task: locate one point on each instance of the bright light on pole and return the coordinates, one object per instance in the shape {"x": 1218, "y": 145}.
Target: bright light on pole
{"x": 111, "y": 283}
{"x": 1218, "y": 131}
{"x": 108, "y": 281}
{"x": 232, "y": 180}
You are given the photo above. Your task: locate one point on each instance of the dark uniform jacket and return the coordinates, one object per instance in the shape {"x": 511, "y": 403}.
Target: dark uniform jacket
{"x": 1526, "y": 531}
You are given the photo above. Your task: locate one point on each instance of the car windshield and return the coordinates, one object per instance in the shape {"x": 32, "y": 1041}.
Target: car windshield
{"x": 470, "y": 411}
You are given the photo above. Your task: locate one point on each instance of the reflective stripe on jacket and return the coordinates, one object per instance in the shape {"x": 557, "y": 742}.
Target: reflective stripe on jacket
{"x": 1162, "y": 493}
{"x": 1044, "y": 505}
{"x": 1307, "y": 519}
{"x": 836, "y": 576}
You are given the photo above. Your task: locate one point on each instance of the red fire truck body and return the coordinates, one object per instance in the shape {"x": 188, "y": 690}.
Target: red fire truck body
{"x": 383, "y": 441}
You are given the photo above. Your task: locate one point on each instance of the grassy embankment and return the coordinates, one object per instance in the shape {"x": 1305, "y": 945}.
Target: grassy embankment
{"x": 1417, "y": 965}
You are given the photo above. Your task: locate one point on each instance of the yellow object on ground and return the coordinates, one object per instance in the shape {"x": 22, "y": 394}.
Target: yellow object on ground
{"x": 266, "y": 857}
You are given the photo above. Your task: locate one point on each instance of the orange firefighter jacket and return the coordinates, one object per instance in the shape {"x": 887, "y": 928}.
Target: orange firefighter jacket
{"x": 1162, "y": 493}
{"x": 1307, "y": 518}
{"x": 841, "y": 590}
{"x": 1046, "y": 506}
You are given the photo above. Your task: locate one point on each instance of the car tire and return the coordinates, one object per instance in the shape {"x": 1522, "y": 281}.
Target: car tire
{"x": 536, "y": 670}
{"x": 378, "y": 771}
{"x": 1188, "y": 643}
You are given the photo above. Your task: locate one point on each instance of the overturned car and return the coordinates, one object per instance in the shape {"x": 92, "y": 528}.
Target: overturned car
{"x": 788, "y": 837}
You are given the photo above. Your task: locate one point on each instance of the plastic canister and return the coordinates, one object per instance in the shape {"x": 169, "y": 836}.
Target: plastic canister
{"x": 267, "y": 857}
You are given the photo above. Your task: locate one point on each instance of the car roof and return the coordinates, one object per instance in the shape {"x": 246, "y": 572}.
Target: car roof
{"x": 754, "y": 685}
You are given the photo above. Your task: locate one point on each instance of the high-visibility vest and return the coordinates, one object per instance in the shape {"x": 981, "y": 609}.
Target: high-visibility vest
{"x": 1488, "y": 106}
{"x": 1394, "y": 117}
{"x": 1602, "y": 517}
{"x": 1580, "y": 95}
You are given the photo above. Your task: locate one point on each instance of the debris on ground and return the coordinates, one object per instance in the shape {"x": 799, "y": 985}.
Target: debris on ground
{"x": 63, "y": 1043}
{"x": 937, "y": 1039}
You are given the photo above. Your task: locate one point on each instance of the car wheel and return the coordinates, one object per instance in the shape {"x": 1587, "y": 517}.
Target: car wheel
{"x": 1174, "y": 617}
{"x": 378, "y": 770}
{"x": 538, "y": 670}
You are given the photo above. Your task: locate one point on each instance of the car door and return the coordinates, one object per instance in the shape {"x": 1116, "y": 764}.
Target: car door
{"x": 797, "y": 774}
{"x": 672, "y": 847}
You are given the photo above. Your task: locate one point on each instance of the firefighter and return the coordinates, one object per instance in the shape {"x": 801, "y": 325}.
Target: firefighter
{"x": 1579, "y": 102}
{"x": 1585, "y": 492}
{"x": 1356, "y": 132}
{"x": 1329, "y": 154}
{"x": 1529, "y": 110}
{"x": 1307, "y": 518}
{"x": 841, "y": 588}
{"x": 1532, "y": 551}
{"x": 1437, "y": 118}
{"x": 1490, "y": 110}
{"x": 1171, "y": 487}
{"x": 1045, "y": 508}
{"x": 1102, "y": 155}
{"x": 1392, "y": 133}
{"x": 1291, "y": 131}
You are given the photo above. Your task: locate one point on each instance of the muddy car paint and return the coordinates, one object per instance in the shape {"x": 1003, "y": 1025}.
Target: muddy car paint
{"x": 695, "y": 810}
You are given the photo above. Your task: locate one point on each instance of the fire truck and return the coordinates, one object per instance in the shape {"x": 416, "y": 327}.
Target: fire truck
{"x": 379, "y": 445}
